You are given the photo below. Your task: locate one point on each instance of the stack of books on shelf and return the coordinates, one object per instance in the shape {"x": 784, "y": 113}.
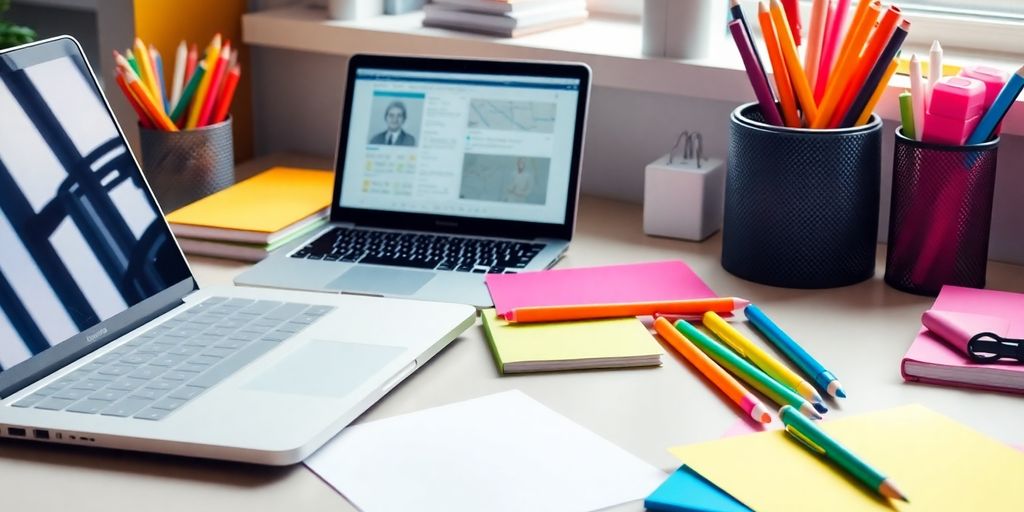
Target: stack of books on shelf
{"x": 506, "y": 18}
{"x": 256, "y": 216}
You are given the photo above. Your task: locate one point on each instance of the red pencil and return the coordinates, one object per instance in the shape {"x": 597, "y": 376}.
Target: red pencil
{"x": 215, "y": 82}
{"x": 190, "y": 63}
{"x": 226, "y": 95}
{"x": 144, "y": 119}
{"x": 793, "y": 17}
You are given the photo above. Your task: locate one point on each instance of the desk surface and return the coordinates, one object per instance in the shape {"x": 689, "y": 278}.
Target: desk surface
{"x": 860, "y": 332}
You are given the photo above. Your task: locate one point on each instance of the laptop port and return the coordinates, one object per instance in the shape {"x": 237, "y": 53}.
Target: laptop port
{"x": 41, "y": 434}
{"x": 17, "y": 432}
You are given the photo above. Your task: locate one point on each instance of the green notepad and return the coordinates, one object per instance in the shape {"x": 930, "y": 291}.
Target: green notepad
{"x": 614, "y": 343}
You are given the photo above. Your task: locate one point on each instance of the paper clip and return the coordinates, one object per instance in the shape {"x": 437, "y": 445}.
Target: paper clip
{"x": 987, "y": 347}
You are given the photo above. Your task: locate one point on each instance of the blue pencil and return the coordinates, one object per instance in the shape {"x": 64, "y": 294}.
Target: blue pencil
{"x": 158, "y": 68}
{"x": 987, "y": 126}
{"x": 809, "y": 365}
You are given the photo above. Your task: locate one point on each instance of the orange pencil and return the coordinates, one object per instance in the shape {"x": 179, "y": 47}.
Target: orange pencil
{"x": 866, "y": 61}
{"x": 864, "y": 116}
{"x": 793, "y": 66}
{"x": 161, "y": 119}
{"x": 746, "y": 400}
{"x": 852, "y": 46}
{"x": 624, "y": 309}
{"x": 226, "y": 95}
{"x": 144, "y": 118}
{"x": 782, "y": 83}
{"x": 215, "y": 84}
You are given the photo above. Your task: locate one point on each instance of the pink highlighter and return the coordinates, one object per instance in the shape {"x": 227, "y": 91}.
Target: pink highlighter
{"x": 956, "y": 106}
{"x": 994, "y": 80}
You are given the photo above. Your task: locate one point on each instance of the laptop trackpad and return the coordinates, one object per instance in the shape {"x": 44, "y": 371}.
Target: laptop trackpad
{"x": 387, "y": 281}
{"x": 325, "y": 368}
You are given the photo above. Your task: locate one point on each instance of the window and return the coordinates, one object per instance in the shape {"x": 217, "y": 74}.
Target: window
{"x": 1010, "y": 9}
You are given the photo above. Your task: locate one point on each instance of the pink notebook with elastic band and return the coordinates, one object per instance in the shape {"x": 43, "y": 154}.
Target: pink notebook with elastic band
{"x": 939, "y": 354}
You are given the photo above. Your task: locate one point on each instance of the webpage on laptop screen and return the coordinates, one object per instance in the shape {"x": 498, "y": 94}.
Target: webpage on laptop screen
{"x": 470, "y": 145}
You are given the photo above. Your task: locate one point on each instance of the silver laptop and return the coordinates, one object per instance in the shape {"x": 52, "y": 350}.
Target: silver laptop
{"x": 446, "y": 170}
{"x": 106, "y": 339}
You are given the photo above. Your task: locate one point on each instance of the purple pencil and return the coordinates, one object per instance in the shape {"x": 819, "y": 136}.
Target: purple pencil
{"x": 755, "y": 73}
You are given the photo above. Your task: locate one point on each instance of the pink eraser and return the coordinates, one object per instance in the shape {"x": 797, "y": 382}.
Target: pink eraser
{"x": 948, "y": 130}
{"x": 957, "y": 97}
{"x": 993, "y": 78}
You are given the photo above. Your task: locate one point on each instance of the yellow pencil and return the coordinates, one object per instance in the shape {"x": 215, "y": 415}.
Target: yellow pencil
{"x": 212, "y": 54}
{"x": 146, "y": 73}
{"x": 793, "y": 66}
{"x": 761, "y": 359}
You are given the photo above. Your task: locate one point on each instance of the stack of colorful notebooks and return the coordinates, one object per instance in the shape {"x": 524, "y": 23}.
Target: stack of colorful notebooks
{"x": 506, "y": 18}
{"x": 256, "y": 216}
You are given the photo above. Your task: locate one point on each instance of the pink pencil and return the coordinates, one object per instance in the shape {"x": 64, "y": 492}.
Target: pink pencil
{"x": 757, "y": 79}
{"x": 835, "y": 31}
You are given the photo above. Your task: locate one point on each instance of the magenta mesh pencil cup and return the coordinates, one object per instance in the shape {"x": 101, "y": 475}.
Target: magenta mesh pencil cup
{"x": 940, "y": 215}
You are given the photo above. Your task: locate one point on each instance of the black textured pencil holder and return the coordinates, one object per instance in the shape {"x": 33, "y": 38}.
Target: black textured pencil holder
{"x": 801, "y": 206}
{"x": 185, "y": 166}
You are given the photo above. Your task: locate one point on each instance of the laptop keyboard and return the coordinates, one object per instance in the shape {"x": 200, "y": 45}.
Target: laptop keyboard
{"x": 420, "y": 250}
{"x": 164, "y": 368}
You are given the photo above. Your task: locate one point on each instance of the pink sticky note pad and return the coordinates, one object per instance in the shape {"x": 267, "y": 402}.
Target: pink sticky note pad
{"x": 993, "y": 78}
{"x": 661, "y": 280}
{"x": 948, "y": 130}
{"x": 957, "y": 97}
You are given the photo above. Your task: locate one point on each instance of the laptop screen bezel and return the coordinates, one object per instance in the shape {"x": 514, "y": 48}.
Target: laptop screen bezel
{"x": 450, "y": 223}
{"x": 63, "y": 353}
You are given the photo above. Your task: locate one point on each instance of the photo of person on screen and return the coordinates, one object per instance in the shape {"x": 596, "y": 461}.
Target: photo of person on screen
{"x": 394, "y": 135}
{"x": 520, "y": 183}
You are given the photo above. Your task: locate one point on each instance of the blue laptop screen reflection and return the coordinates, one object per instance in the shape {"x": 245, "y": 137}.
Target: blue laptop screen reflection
{"x": 80, "y": 238}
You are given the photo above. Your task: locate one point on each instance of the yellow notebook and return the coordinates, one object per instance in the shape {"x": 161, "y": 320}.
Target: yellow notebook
{"x": 938, "y": 463}
{"x": 614, "y": 343}
{"x": 260, "y": 210}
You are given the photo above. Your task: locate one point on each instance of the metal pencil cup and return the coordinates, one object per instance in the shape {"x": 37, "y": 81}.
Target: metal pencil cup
{"x": 183, "y": 167}
{"x": 940, "y": 215}
{"x": 801, "y": 206}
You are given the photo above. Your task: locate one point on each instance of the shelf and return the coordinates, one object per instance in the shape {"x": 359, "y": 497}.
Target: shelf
{"x": 609, "y": 45}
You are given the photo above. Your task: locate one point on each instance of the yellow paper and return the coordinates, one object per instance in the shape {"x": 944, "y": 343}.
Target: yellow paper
{"x": 938, "y": 463}
{"x": 570, "y": 345}
{"x": 266, "y": 203}
{"x": 903, "y": 67}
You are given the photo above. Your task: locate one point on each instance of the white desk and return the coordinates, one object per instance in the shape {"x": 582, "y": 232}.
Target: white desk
{"x": 859, "y": 332}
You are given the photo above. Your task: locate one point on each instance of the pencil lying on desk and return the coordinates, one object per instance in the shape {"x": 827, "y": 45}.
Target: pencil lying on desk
{"x": 719, "y": 377}
{"x": 624, "y": 309}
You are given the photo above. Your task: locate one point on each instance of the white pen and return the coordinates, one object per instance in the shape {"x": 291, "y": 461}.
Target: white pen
{"x": 917, "y": 91}
{"x": 934, "y": 66}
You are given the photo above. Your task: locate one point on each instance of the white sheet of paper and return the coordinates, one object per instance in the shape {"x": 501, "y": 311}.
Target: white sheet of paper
{"x": 501, "y": 452}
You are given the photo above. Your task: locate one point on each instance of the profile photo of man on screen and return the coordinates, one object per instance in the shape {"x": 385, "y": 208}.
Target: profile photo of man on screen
{"x": 394, "y": 135}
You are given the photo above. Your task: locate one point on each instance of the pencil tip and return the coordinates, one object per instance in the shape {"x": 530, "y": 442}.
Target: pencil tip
{"x": 820, "y": 408}
{"x": 889, "y": 490}
{"x": 936, "y": 47}
{"x": 840, "y": 393}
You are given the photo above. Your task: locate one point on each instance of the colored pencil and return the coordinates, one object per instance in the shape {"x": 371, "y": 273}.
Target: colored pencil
{"x": 835, "y": 31}
{"x": 812, "y": 437}
{"x": 934, "y": 69}
{"x": 148, "y": 104}
{"x": 190, "y": 64}
{"x": 212, "y": 53}
{"x": 747, "y": 401}
{"x": 877, "y": 96}
{"x": 783, "y": 85}
{"x": 215, "y": 84}
{"x": 875, "y": 78}
{"x": 759, "y": 357}
{"x": 158, "y": 76}
{"x": 917, "y": 92}
{"x": 792, "y": 8}
{"x": 132, "y": 61}
{"x": 144, "y": 120}
{"x": 907, "y": 115}
{"x": 755, "y": 73}
{"x": 190, "y": 91}
{"x": 815, "y": 39}
{"x": 1004, "y": 101}
{"x": 178, "y": 80}
{"x": 745, "y": 371}
{"x": 877, "y": 43}
{"x": 624, "y": 309}
{"x": 147, "y": 75}
{"x": 737, "y": 14}
{"x": 796, "y": 71}
{"x": 796, "y": 353}
{"x": 227, "y": 94}
{"x": 848, "y": 57}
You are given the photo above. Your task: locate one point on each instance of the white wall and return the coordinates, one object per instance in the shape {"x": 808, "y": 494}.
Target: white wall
{"x": 298, "y": 99}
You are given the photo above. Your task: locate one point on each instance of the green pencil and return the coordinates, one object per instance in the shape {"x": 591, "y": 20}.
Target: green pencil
{"x": 190, "y": 90}
{"x": 745, "y": 371}
{"x": 132, "y": 62}
{"x": 907, "y": 115}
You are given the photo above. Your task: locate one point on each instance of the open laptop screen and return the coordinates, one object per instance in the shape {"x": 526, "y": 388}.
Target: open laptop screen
{"x": 486, "y": 146}
{"x": 81, "y": 238}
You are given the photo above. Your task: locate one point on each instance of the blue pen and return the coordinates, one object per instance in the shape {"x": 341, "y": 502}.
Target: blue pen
{"x": 987, "y": 126}
{"x": 822, "y": 377}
